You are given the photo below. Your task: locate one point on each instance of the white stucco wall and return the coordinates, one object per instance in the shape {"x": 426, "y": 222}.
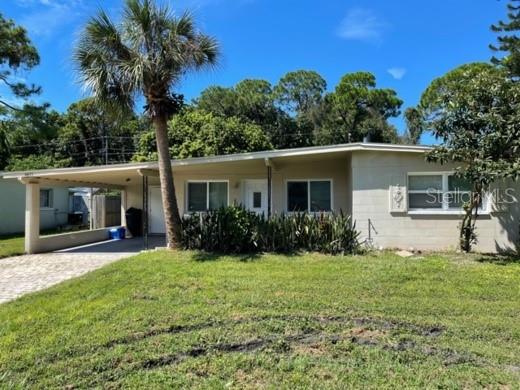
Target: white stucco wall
{"x": 372, "y": 175}
{"x": 12, "y": 208}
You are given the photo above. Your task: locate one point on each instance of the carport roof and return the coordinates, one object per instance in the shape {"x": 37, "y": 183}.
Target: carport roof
{"x": 91, "y": 175}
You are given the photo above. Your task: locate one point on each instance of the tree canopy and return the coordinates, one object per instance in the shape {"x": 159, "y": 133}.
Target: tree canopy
{"x": 16, "y": 52}
{"x": 508, "y": 41}
{"x": 477, "y": 117}
{"x": 300, "y": 92}
{"x": 357, "y": 109}
{"x": 196, "y": 133}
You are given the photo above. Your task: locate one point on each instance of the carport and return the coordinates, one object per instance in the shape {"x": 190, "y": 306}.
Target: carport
{"x": 115, "y": 177}
{"x": 138, "y": 184}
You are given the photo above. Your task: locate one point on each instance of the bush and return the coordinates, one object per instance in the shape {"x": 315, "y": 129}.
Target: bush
{"x": 236, "y": 230}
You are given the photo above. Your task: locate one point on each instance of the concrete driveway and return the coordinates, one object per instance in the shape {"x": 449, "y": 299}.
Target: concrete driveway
{"x": 20, "y": 275}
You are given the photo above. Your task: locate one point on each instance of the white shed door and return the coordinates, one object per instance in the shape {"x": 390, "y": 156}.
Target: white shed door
{"x": 255, "y": 196}
{"x": 156, "y": 220}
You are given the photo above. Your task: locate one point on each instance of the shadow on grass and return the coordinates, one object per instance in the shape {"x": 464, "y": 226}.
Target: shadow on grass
{"x": 244, "y": 257}
{"x": 211, "y": 256}
{"x": 499, "y": 259}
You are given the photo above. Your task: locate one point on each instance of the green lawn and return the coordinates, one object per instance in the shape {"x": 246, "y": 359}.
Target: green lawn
{"x": 11, "y": 245}
{"x": 191, "y": 320}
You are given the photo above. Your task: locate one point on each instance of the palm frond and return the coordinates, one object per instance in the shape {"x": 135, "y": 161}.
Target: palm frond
{"x": 146, "y": 54}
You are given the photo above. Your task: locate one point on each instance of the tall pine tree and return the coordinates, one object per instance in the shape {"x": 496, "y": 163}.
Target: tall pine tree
{"x": 508, "y": 40}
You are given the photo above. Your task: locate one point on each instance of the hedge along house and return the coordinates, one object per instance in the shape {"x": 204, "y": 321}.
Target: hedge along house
{"x": 396, "y": 198}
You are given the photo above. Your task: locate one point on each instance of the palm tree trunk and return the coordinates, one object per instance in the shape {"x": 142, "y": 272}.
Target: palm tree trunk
{"x": 169, "y": 199}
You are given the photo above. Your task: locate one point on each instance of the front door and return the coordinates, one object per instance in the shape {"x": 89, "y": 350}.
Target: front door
{"x": 156, "y": 213}
{"x": 255, "y": 196}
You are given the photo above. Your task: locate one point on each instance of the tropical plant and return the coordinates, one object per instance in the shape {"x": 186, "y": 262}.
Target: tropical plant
{"x": 145, "y": 55}
{"x": 237, "y": 230}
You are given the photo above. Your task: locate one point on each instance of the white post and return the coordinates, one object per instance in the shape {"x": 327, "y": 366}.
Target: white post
{"x": 91, "y": 213}
{"x": 123, "y": 211}
{"x": 32, "y": 216}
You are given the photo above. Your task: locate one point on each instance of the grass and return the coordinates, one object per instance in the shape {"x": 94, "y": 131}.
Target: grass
{"x": 12, "y": 245}
{"x": 186, "y": 319}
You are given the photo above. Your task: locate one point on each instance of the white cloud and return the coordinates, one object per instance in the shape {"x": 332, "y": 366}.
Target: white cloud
{"x": 361, "y": 24}
{"x": 46, "y": 17}
{"x": 397, "y": 73}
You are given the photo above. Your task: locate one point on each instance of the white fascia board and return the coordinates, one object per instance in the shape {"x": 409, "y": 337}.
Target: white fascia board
{"x": 313, "y": 150}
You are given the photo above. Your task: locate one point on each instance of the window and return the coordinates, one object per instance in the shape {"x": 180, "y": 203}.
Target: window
{"x": 309, "y": 195}
{"x": 257, "y": 200}
{"x": 45, "y": 199}
{"x": 207, "y": 195}
{"x": 438, "y": 191}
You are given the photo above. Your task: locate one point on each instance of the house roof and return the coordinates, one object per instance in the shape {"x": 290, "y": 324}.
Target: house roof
{"x": 270, "y": 154}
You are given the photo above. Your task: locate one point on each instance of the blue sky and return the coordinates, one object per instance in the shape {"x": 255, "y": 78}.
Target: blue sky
{"x": 405, "y": 43}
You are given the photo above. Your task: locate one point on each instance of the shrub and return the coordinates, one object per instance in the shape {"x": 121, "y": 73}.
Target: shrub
{"x": 237, "y": 230}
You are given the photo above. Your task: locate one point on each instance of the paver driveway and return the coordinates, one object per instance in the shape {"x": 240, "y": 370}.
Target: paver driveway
{"x": 20, "y": 275}
{"x": 24, "y": 274}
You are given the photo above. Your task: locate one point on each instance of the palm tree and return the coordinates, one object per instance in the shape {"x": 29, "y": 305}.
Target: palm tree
{"x": 145, "y": 55}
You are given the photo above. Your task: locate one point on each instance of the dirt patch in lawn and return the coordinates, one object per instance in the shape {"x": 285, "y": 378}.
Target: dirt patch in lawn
{"x": 318, "y": 331}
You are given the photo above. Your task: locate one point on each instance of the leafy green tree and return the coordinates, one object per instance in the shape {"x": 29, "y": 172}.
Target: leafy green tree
{"x": 16, "y": 52}
{"x": 34, "y": 161}
{"x": 220, "y": 101}
{"x": 253, "y": 101}
{"x": 414, "y": 125}
{"x": 300, "y": 92}
{"x": 476, "y": 115}
{"x": 145, "y": 55}
{"x": 195, "y": 133}
{"x": 508, "y": 42}
{"x": 357, "y": 109}
{"x": 30, "y": 130}
{"x": 90, "y": 135}
{"x": 431, "y": 102}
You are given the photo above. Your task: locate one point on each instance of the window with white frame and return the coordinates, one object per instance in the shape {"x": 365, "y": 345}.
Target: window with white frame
{"x": 309, "y": 195}
{"x": 45, "y": 198}
{"x": 206, "y": 195}
{"x": 437, "y": 191}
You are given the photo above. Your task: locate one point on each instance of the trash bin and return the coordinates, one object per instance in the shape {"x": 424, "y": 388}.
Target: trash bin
{"x": 117, "y": 233}
{"x": 134, "y": 221}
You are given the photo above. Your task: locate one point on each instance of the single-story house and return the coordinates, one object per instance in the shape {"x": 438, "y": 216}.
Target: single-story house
{"x": 395, "y": 197}
{"x": 53, "y": 206}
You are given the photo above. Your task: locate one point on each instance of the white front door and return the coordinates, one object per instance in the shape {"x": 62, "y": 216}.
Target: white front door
{"x": 156, "y": 220}
{"x": 255, "y": 196}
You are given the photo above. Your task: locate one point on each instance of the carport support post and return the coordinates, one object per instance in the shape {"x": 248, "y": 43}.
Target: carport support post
{"x": 123, "y": 211}
{"x": 91, "y": 206}
{"x": 145, "y": 211}
{"x": 32, "y": 215}
{"x": 269, "y": 186}
{"x": 269, "y": 163}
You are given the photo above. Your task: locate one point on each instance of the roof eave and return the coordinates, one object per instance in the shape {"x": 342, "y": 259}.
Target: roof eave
{"x": 314, "y": 150}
